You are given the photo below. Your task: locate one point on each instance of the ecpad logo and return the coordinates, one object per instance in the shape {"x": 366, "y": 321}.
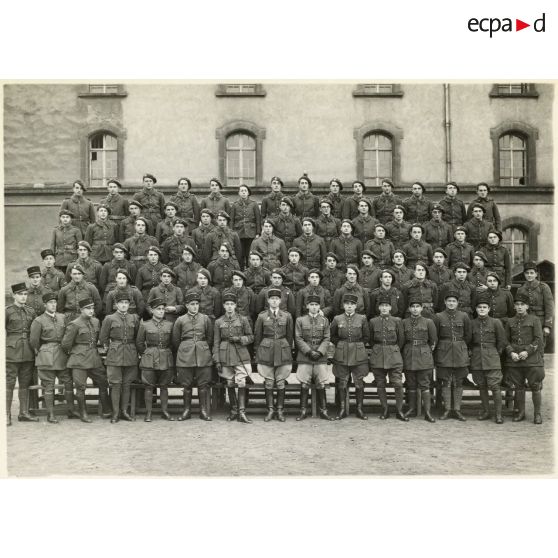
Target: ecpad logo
{"x": 492, "y": 25}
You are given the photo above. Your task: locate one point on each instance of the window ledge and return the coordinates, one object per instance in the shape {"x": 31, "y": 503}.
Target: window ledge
{"x": 103, "y": 95}
{"x": 223, "y": 91}
{"x": 528, "y": 95}
{"x": 357, "y": 93}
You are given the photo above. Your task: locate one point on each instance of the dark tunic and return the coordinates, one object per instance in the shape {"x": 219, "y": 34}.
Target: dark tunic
{"x": 92, "y": 269}
{"x": 492, "y": 214}
{"x": 287, "y": 228}
{"x": 53, "y": 279}
{"x": 384, "y": 204}
{"x": 311, "y": 334}
{"x": 426, "y": 290}
{"x": 216, "y": 238}
{"x": 348, "y": 250}
{"x": 383, "y": 249}
{"x": 80, "y": 343}
{"x": 332, "y": 279}
{"x": 328, "y": 228}
{"x": 454, "y": 211}
{"x": 454, "y": 335}
{"x": 417, "y": 250}
{"x": 313, "y": 250}
{"x": 210, "y": 303}
{"x": 350, "y": 206}
{"x": 118, "y": 208}
{"x": 138, "y": 246}
{"x": 419, "y": 336}
{"x": 127, "y": 227}
{"x": 363, "y": 298}
{"x": 171, "y": 295}
{"x": 137, "y": 303}
{"x": 200, "y": 235}
{"x": 186, "y": 274}
{"x": 458, "y": 252}
{"x": 386, "y": 340}
{"x": 216, "y": 202}
{"x": 395, "y": 297}
{"x": 83, "y": 210}
{"x": 188, "y": 208}
{"x": 288, "y": 303}
{"x": 45, "y": 337}
{"x": 465, "y": 290}
{"x": 437, "y": 233}
{"x": 417, "y": 210}
{"x": 487, "y": 343}
{"x": 398, "y": 233}
{"x": 192, "y": 338}
{"x": 272, "y": 249}
{"x": 118, "y": 333}
{"x": 227, "y": 352}
{"x": 477, "y": 232}
{"x": 147, "y": 277}
{"x": 35, "y": 298}
{"x": 349, "y": 334}
{"x": 257, "y": 278}
{"x": 440, "y": 274}
{"x": 524, "y": 333}
{"x": 499, "y": 261}
{"x": 70, "y": 295}
{"x": 173, "y": 247}
{"x": 245, "y": 302}
{"x": 164, "y": 230}
{"x": 306, "y": 205}
{"x": 271, "y": 205}
{"x": 64, "y": 244}
{"x": 501, "y": 303}
{"x": 246, "y": 218}
{"x": 101, "y": 235}
{"x": 295, "y": 276}
{"x": 369, "y": 277}
{"x": 221, "y": 272}
{"x": 153, "y": 203}
{"x": 363, "y": 227}
{"x": 18, "y": 321}
{"x": 541, "y": 302}
{"x": 273, "y": 338}
{"x": 402, "y": 275}
{"x": 325, "y": 300}
{"x": 337, "y": 201}
{"x": 108, "y": 273}
{"x": 153, "y": 343}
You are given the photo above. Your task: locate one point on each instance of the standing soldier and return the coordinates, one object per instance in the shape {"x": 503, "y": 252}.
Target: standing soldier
{"x": 491, "y": 214}
{"x": 350, "y": 205}
{"x": 369, "y": 274}
{"x": 118, "y": 335}
{"x": 271, "y": 203}
{"x": 123, "y": 284}
{"x": 245, "y": 297}
{"x": 246, "y": 222}
{"x": 327, "y": 226}
{"x": 461, "y": 286}
{"x": 216, "y": 201}
{"x": 200, "y": 234}
{"x": 417, "y": 208}
{"x": 500, "y": 300}
{"x": 91, "y": 267}
{"x": 385, "y": 203}
{"x": 420, "y": 287}
{"x": 294, "y": 272}
{"x": 170, "y": 294}
{"x": 152, "y": 201}
{"x": 220, "y": 235}
{"x": 365, "y": 222}
{"x": 312, "y": 246}
{"x": 19, "y": 354}
{"x": 51, "y": 277}
{"x": 334, "y": 197}
{"x": 139, "y": 244}
{"x": 222, "y": 268}
{"x": 477, "y": 275}
{"x": 438, "y": 271}
{"x": 209, "y": 302}
{"x": 101, "y": 235}
{"x": 76, "y": 290}
{"x": 287, "y": 227}
{"x": 81, "y": 208}
{"x": 312, "y": 341}
{"x": 36, "y": 290}
{"x": 387, "y": 290}
{"x": 451, "y": 355}
{"x": 314, "y": 289}
{"x": 257, "y": 276}
{"x": 416, "y": 248}
{"x": 273, "y": 337}
{"x": 287, "y": 304}
{"x": 117, "y": 204}
{"x": 419, "y": 342}
{"x": 498, "y": 258}
{"x": 187, "y": 270}
{"x": 381, "y": 246}
{"x": 174, "y": 245}
{"x": 164, "y": 228}
{"x": 398, "y": 229}
{"x": 346, "y": 247}
{"x": 477, "y": 228}
{"x": 332, "y": 276}
{"x": 459, "y": 250}
{"x": 148, "y": 274}
{"x": 349, "y": 333}
{"x": 351, "y": 286}
{"x": 306, "y": 204}
{"x": 453, "y": 208}
{"x": 437, "y": 232}
{"x": 153, "y": 344}
{"x": 273, "y": 249}
{"x": 402, "y": 272}
{"x": 65, "y": 238}
{"x": 47, "y": 331}
{"x": 192, "y": 337}
{"x": 488, "y": 342}
{"x": 127, "y": 227}
{"x": 80, "y": 344}
{"x": 187, "y": 203}
{"x": 524, "y": 360}
{"x": 233, "y": 335}
{"x": 386, "y": 340}
{"x": 119, "y": 261}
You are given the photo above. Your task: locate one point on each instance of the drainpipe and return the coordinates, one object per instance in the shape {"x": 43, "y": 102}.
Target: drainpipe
{"x": 447, "y": 130}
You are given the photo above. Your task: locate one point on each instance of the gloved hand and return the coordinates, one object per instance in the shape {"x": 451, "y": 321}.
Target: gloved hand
{"x": 219, "y": 366}
{"x": 315, "y": 355}
{"x": 235, "y": 339}
{"x": 330, "y": 360}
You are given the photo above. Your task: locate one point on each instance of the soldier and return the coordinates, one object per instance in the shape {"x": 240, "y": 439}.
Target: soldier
{"x": 36, "y": 290}
{"x": 209, "y": 297}
{"x": 417, "y": 208}
{"x": 349, "y": 333}
{"x": 81, "y": 208}
{"x": 420, "y": 287}
{"x": 220, "y": 235}
{"x": 381, "y": 246}
{"x": 80, "y": 344}
{"x": 335, "y": 199}
{"x": 416, "y": 248}
{"x": 222, "y": 268}
{"x": 453, "y": 208}
{"x": 460, "y": 285}
{"x": 257, "y": 276}
{"x": 77, "y": 289}
{"x": 488, "y": 342}
{"x": 46, "y": 333}
{"x": 327, "y": 226}
{"x": 187, "y": 270}
{"x": 173, "y": 246}
{"x": 492, "y": 214}
{"x": 164, "y": 228}
{"x": 451, "y": 355}
{"x": 153, "y": 344}
{"x": 245, "y": 297}
{"x": 118, "y": 335}
{"x": 346, "y": 247}
{"x": 101, "y": 235}
{"x": 419, "y": 342}
{"x": 402, "y": 272}
{"x": 273, "y": 338}
{"x": 350, "y": 205}
{"x": 171, "y": 295}
{"x": 312, "y": 247}
{"x": 65, "y": 238}
{"x": 272, "y": 249}
{"x": 192, "y": 337}
{"x": 245, "y": 221}
{"x": 271, "y": 203}
{"x": 123, "y": 284}
{"x": 314, "y": 289}
{"x": 398, "y": 229}
{"x": 437, "y": 232}
{"x": 498, "y": 258}
{"x": 459, "y": 250}
{"x": 312, "y": 342}
{"x": 216, "y": 201}
{"x": 19, "y": 354}
{"x": 305, "y": 203}
{"x": 477, "y": 228}
{"x": 200, "y": 234}
{"x": 386, "y": 202}
{"x": 91, "y": 267}
{"x": 364, "y": 223}
{"x": 438, "y": 271}
{"x": 127, "y": 227}
{"x": 524, "y": 360}
{"x": 287, "y": 227}
{"x": 351, "y": 286}
{"x": 500, "y": 300}
{"x": 477, "y": 275}
{"x": 119, "y": 261}
{"x": 187, "y": 203}
{"x": 148, "y": 274}
{"x": 332, "y": 276}
{"x": 369, "y": 274}
{"x": 139, "y": 244}
{"x": 386, "y": 340}
{"x": 386, "y": 289}
{"x": 294, "y": 272}
{"x": 51, "y": 277}
{"x": 233, "y": 335}
{"x": 117, "y": 204}
{"x": 287, "y": 304}
{"x": 152, "y": 201}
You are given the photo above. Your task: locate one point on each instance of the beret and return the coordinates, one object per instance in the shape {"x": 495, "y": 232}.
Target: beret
{"x": 77, "y": 267}
{"x": 172, "y": 204}
{"x": 354, "y": 268}
{"x": 387, "y": 181}
{"x": 205, "y": 273}
{"x": 188, "y": 248}
{"x": 256, "y": 253}
{"x": 420, "y": 184}
{"x": 276, "y": 179}
{"x": 461, "y": 265}
{"x": 400, "y": 207}
{"x": 478, "y": 205}
{"x": 497, "y": 233}
{"x": 438, "y": 207}
{"x": 247, "y": 188}
{"x": 224, "y": 214}
{"x": 305, "y": 177}
{"x": 295, "y": 249}
{"x": 120, "y": 246}
{"x": 453, "y": 184}
{"x": 332, "y": 255}
{"x": 363, "y": 186}
{"x": 148, "y": 175}
{"x": 114, "y": 181}
{"x": 124, "y": 272}
{"x": 239, "y": 273}
{"x": 167, "y": 270}
{"x": 327, "y": 201}
{"x": 481, "y": 255}
{"x": 217, "y": 181}
{"x": 460, "y": 228}
{"x": 288, "y": 201}
{"x": 84, "y": 244}
{"x": 440, "y": 251}
{"x": 387, "y": 270}
{"x": 136, "y": 203}
{"x": 336, "y": 181}
{"x": 315, "y": 270}
{"x": 143, "y": 220}
{"x": 277, "y": 271}
{"x": 495, "y": 275}
{"x": 309, "y": 220}
{"x": 369, "y": 253}
{"x": 155, "y": 249}
{"x": 179, "y": 221}
{"x": 104, "y": 206}
{"x": 208, "y": 211}
{"x": 83, "y": 187}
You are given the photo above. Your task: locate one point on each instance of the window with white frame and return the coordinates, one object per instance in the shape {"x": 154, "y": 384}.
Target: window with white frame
{"x": 378, "y": 158}
{"x": 516, "y": 240}
{"x": 513, "y": 160}
{"x": 103, "y": 158}
{"x": 240, "y": 167}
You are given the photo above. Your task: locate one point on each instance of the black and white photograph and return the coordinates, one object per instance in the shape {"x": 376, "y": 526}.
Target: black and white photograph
{"x": 279, "y": 278}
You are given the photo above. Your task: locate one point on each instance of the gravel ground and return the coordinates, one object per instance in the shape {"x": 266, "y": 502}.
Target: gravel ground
{"x": 312, "y": 447}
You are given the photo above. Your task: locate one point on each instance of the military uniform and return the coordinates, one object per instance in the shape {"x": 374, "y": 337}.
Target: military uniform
{"x": 417, "y": 250}
{"x": 332, "y": 279}
{"x": 272, "y": 249}
{"x": 127, "y": 227}
{"x": 257, "y": 278}
{"x": 295, "y": 276}
{"x": 398, "y": 232}
{"x": 363, "y": 227}
{"x": 384, "y": 204}
{"x": 101, "y": 235}
{"x": 306, "y": 205}
{"x": 350, "y": 206}
{"x": 215, "y": 203}
{"x": 363, "y": 298}
{"x": 313, "y": 250}
{"x": 118, "y": 206}
{"x": 171, "y": 295}
{"x": 369, "y": 277}
{"x": 402, "y": 275}
{"x": 271, "y": 205}
{"x": 107, "y": 281}
{"x": 323, "y": 295}
{"x": 222, "y": 271}
{"x": 53, "y": 279}
{"x": 64, "y": 244}
{"x": 500, "y": 302}
{"x": 138, "y": 246}
{"x": 417, "y": 210}
{"x": 164, "y": 230}
{"x": 383, "y": 249}
{"x": 137, "y": 303}
{"x": 458, "y": 252}
{"x": 465, "y": 291}
{"x": 71, "y": 294}
{"x": 440, "y": 274}
{"x": 426, "y": 291}
{"x": 92, "y": 271}
{"x": 437, "y": 233}
{"x": 477, "y": 231}
{"x": 336, "y": 205}
{"x": 491, "y": 214}
{"x": 395, "y": 298}
{"x": 454, "y": 211}
{"x": 541, "y": 303}
{"x": 186, "y": 274}
{"x": 477, "y": 277}
{"x": 153, "y": 203}
{"x": 287, "y": 228}
{"x": 245, "y": 302}
{"x": 499, "y": 261}
{"x": 35, "y": 298}
{"x": 200, "y": 236}
{"x": 188, "y": 208}
{"x": 348, "y": 250}
{"x": 216, "y": 238}
{"x": 288, "y": 302}
{"x": 82, "y": 209}
{"x": 328, "y": 228}
{"x": 173, "y": 247}
{"x": 246, "y": 222}
{"x": 210, "y": 300}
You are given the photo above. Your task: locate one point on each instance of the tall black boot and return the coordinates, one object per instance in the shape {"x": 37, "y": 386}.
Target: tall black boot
{"x": 426, "y": 405}
{"x": 322, "y": 404}
{"x": 148, "y": 397}
{"x": 457, "y": 396}
{"x": 49, "y": 404}
{"x": 537, "y": 403}
{"x": 83, "y": 416}
{"x": 399, "y": 404}
{"x": 71, "y": 412}
{"x": 269, "y": 404}
{"x": 342, "y": 408}
{"x": 24, "y": 415}
{"x": 233, "y": 402}
{"x": 125, "y": 401}
{"x": 164, "y": 395}
{"x": 304, "y": 391}
{"x": 412, "y": 400}
{"x": 382, "y": 395}
{"x": 115, "y": 392}
{"x": 497, "y": 397}
{"x": 187, "y": 412}
{"x": 520, "y": 401}
{"x": 202, "y": 398}
{"x": 280, "y": 405}
{"x": 359, "y": 392}
{"x": 242, "y": 406}
{"x": 446, "y": 398}
{"x": 9, "y": 399}
{"x": 485, "y": 413}
{"x": 106, "y": 410}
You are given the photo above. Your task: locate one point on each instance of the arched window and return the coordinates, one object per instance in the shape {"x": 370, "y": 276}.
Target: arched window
{"x": 103, "y": 158}
{"x": 513, "y": 160}
{"x": 240, "y": 159}
{"x": 378, "y": 158}
{"x": 516, "y": 240}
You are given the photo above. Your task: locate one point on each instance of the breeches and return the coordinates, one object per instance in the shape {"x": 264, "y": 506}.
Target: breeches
{"x": 98, "y": 376}
{"x": 308, "y": 373}
{"x": 490, "y": 379}
{"x": 20, "y": 371}
{"x": 48, "y": 377}
{"x": 343, "y": 374}
{"x": 452, "y": 376}
{"x": 533, "y": 374}
{"x": 274, "y": 376}
{"x": 121, "y": 375}
{"x": 395, "y": 376}
{"x": 236, "y": 374}
{"x": 188, "y": 376}
{"x": 418, "y": 379}
{"x": 152, "y": 377}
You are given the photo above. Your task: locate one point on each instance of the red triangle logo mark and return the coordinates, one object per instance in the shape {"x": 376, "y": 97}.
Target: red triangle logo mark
{"x": 519, "y": 25}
